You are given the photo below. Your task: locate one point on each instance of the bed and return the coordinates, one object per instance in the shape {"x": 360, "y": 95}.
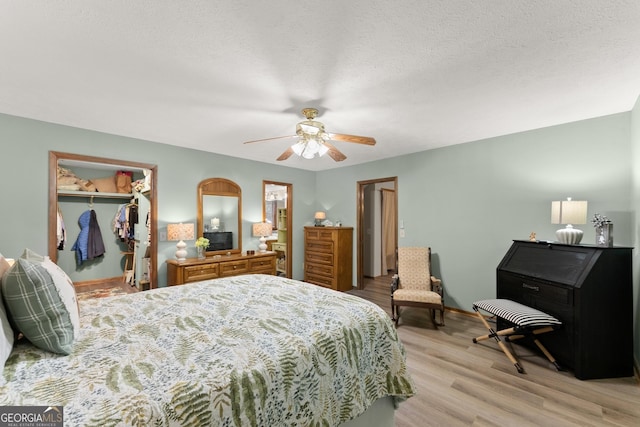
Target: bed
{"x": 255, "y": 350}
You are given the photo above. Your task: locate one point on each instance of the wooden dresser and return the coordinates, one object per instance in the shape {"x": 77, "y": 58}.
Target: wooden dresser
{"x": 328, "y": 257}
{"x": 195, "y": 269}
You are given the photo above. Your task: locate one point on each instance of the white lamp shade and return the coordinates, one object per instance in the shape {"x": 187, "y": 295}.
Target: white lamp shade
{"x": 569, "y": 212}
{"x": 262, "y": 229}
{"x": 181, "y": 232}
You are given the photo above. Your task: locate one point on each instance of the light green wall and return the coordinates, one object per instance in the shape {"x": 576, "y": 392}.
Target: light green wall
{"x": 24, "y": 176}
{"x": 469, "y": 201}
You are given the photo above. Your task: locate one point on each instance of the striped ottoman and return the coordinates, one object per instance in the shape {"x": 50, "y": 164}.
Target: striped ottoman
{"x": 527, "y": 321}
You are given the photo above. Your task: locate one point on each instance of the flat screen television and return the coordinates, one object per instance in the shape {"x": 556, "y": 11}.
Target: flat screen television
{"x": 219, "y": 241}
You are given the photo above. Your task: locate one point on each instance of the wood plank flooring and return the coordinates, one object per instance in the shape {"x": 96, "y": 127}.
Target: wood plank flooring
{"x": 105, "y": 284}
{"x": 459, "y": 383}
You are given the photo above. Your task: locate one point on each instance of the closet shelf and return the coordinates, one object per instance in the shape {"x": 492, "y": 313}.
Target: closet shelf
{"x": 69, "y": 193}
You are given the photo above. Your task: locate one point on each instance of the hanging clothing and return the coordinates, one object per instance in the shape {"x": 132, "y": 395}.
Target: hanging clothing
{"x": 89, "y": 244}
{"x": 125, "y": 221}
{"x": 61, "y": 232}
{"x": 132, "y": 219}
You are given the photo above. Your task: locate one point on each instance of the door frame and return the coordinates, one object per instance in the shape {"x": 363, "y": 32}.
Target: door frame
{"x": 56, "y": 156}
{"x": 289, "y": 186}
{"x": 360, "y": 209}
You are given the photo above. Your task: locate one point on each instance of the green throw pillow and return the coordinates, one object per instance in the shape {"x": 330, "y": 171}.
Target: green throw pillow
{"x": 35, "y": 307}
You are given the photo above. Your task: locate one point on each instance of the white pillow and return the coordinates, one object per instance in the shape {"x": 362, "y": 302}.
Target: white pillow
{"x": 6, "y": 336}
{"x": 63, "y": 284}
{"x": 6, "y": 333}
{"x": 4, "y": 266}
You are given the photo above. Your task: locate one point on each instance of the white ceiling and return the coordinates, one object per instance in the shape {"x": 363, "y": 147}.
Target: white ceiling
{"x": 414, "y": 74}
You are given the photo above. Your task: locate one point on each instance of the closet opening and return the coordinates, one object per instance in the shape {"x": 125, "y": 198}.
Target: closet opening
{"x": 88, "y": 191}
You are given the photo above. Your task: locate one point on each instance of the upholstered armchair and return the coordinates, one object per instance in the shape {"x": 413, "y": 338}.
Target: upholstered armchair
{"x": 413, "y": 285}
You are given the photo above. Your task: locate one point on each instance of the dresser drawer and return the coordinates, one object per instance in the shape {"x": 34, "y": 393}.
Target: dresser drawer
{"x": 323, "y": 281}
{"x": 318, "y": 258}
{"x": 319, "y": 233}
{"x": 319, "y": 246}
{"x": 318, "y": 269}
{"x": 233, "y": 268}
{"x": 200, "y": 272}
{"x": 262, "y": 265}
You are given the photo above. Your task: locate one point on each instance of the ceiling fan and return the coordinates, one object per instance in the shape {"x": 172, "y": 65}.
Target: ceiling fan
{"x": 313, "y": 140}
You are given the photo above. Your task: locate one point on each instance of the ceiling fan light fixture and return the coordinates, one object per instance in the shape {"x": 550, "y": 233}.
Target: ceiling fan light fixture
{"x": 314, "y": 141}
{"x": 299, "y": 147}
{"x": 309, "y": 127}
{"x": 308, "y": 148}
{"x": 322, "y": 150}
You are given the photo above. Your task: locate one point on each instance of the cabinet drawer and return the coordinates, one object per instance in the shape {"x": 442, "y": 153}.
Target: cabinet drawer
{"x": 529, "y": 291}
{"x": 318, "y": 258}
{"x": 319, "y": 269}
{"x": 278, "y": 246}
{"x": 319, "y": 233}
{"x": 262, "y": 265}
{"x": 326, "y": 282}
{"x": 232, "y": 268}
{"x": 200, "y": 272}
{"x": 320, "y": 246}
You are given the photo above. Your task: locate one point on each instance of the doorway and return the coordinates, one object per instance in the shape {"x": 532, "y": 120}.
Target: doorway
{"x": 377, "y": 224}
{"x": 277, "y": 203}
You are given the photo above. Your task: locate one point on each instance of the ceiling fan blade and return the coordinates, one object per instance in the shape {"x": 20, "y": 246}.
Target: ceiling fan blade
{"x": 352, "y": 138}
{"x": 334, "y": 153}
{"x": 270, "y": 139}
{"x": 284, "y": 156}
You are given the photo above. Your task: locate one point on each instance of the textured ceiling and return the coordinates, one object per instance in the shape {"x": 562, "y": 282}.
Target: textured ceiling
{"x": 414, "y": 74}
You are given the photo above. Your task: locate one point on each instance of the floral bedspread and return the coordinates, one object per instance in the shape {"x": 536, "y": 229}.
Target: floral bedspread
{"x": 251, "y": 350}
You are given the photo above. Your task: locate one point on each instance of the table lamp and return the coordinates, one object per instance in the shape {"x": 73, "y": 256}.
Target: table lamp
{"x": 569, "y": 212}
{"x": 262, "y": 230}
{"x": 180, "y": 232}
{"x": 319, "y": 217}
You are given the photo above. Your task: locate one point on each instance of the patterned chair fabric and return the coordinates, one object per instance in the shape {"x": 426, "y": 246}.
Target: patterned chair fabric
{"x": 414, "y": 285}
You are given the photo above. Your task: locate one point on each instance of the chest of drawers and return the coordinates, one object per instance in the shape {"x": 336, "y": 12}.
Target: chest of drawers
{"x": 195, "y": 269}
{"x": 328, "y": 257}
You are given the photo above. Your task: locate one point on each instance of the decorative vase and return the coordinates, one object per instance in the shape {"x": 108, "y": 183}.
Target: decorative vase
{"x": 604, "y": 235}
{"x": 200, "y": 250}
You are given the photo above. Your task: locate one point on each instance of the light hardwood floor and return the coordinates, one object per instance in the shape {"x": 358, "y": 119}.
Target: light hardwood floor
{"x": 459, "y": 383}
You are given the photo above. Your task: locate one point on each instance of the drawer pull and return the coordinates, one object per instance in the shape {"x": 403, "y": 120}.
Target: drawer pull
{"x": 235, "y": 266}
{"x": 531, "y": 287}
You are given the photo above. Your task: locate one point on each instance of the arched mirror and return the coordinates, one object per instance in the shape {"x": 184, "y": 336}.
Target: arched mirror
{"x": 219, "y": 215}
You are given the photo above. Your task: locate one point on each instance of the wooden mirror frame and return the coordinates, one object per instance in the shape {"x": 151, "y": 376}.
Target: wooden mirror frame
{"x": 289, "y": 242}
{"x": 220, "y": 187}
{"x": 55, "y": 156}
